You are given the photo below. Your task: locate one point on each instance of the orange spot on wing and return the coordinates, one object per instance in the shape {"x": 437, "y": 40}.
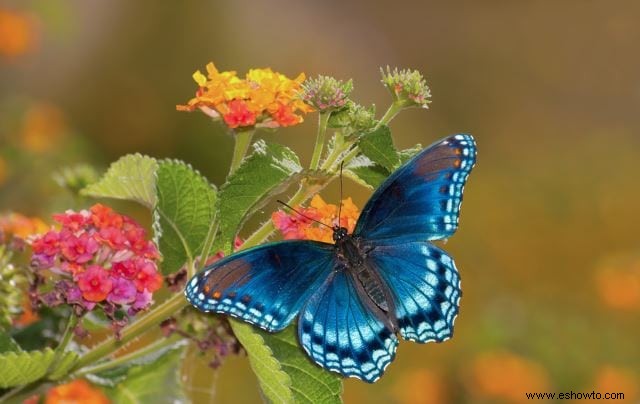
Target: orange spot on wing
{"x": 216, "y": 295}
{"x": 456, "y": 163}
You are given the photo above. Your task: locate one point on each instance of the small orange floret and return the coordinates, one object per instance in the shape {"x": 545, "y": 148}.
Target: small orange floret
{"x": 78, "y": 391}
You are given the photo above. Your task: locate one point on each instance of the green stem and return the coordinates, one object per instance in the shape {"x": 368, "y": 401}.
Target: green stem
{"x": 393, "y": 110}
{"x": 267, "y": 228}
{"x": 120, "y": 360}
{"x": 206, "y": 249}
{"x": 242, "y": 143}
{"x": 323, "y": 119}
{"x": 165, "y": 310}
{"x": 66, "y": 338}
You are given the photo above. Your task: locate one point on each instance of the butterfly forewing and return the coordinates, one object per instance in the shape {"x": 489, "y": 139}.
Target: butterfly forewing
{"x": 266, "y": 285}
{"x": 421, "y": 200}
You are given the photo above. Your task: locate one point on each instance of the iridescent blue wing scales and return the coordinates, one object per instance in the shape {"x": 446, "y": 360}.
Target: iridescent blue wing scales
{"x": 421, "y": 200}
{"x": 266, "y": 285}
{"x": 340, "y": 333}
{"x": 425, "y": 285}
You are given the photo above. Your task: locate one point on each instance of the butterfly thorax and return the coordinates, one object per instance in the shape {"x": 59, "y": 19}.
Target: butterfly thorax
{"x": 368, "y": 282}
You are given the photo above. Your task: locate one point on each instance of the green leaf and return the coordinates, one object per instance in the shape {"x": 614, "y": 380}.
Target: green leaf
{"x": 112, "y": 377}
{"x": 155, "y": 382}
{"x": 185, "y": 210}
{"x": 406, "y": 154}
{"x": 274, "y": 382}
{"x": 17, "y": 368}
{"x": 132, "y": 177}
{"x": 7, "y": 344}
{"x": 310, "y": 383}
{"x": 284, "y": 371}
{"x": 267, "y": 171}
{"x": 378, "y": 146}
{"x": 365, "y": 172}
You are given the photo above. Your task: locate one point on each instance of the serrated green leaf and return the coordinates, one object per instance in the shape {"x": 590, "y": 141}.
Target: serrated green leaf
{"x": 17, "y": 368}
{"x": 274, "y": 382}
{"x": 365, "y": 172}
{"x": 310, "y": 383}
{"x": 378, "y": 146}
{"x": 184, "y": 212}
{"x": 268, "y": 170}
{"x": 156, "y": 382}
{"x": 7, "y": 344}
{"x": 284, "y": 371}
{"x": 132, "y": 177}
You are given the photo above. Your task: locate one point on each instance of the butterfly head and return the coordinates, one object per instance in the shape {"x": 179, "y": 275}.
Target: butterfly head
{"x": 339, "y": 233}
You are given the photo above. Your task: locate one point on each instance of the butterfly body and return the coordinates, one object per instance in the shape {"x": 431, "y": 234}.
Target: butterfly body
{"x": 371, "y": 289}
{"x": 354, "y": 297}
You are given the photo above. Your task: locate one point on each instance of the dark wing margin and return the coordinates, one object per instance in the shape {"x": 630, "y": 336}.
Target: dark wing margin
{"x": 266, "y": 285}
{"x": 422, "y": 198}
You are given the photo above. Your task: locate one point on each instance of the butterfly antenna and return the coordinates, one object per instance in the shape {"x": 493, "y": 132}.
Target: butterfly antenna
{"x": 303, "y": 215}
{"x": 340, "y": 208}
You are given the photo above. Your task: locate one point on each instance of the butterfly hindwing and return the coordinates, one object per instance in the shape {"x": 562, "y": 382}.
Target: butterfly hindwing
{"x": 422, "y": 198}
{"x": 425, "y": 285}
{"x": 340, "y": 333}
{"x": 266, "y": 285}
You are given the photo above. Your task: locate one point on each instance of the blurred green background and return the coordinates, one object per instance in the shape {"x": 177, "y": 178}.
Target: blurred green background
{"x": 548, "y": 245}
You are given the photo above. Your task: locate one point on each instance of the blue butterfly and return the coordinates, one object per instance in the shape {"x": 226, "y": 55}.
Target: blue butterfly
{"x": 354, "y": 296}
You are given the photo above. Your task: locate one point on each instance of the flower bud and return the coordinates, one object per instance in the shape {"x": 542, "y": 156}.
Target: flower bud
{"x": 326, "y": 93}
{"x": 354, "y": 119}
{"x": 408, "y": 87}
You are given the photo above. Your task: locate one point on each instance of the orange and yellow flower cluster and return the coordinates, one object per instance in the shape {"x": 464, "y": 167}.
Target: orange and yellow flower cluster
{"x": 263, "y": 97}
{"x": 17, "y": 225}
{"x": 294, "y": 226}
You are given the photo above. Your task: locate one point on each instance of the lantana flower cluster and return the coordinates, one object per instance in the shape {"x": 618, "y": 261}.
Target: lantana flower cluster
{"x": 263, "y": 97}
{"x": 101, "y": 258}
{"x": 292, "y": 225}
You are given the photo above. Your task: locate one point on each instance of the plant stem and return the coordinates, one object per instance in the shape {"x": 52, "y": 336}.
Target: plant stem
{"x": 206, "y": 249}
{"x": 151, "y": 348}
{"x": 323, "y": 119}
{"x": 242, "y": 143}
{"x": 393, "y": 110}
{"x": 66, "y": 338}
{"x": 165, "y": 310}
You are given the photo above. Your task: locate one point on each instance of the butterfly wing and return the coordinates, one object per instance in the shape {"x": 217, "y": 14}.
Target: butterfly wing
{"x": 266, "y": 285}
{"x": 425, "y": 286}
{"x": 341, "y": 333}
{"x": 422, "y": 198}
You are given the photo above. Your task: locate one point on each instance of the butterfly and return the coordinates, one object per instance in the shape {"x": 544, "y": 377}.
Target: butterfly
{"x": 353, "y": 297}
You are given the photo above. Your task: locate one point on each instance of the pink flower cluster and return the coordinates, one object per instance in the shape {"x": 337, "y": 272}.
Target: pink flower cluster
{"x": 102, "y": 257}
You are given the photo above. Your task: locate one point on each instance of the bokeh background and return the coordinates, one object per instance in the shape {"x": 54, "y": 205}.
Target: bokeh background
{"x": 548, "y": 247}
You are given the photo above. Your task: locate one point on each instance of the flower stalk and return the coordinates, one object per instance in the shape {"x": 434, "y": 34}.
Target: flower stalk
{"x": 242, "y": 142}
{"x": 145, "y": 323}
{"x": 323, "y": 119}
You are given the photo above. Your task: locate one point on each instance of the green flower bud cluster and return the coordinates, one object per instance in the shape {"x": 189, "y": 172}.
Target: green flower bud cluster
{"x": 408, "y": 87}
{"x": 326, "y": 93}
